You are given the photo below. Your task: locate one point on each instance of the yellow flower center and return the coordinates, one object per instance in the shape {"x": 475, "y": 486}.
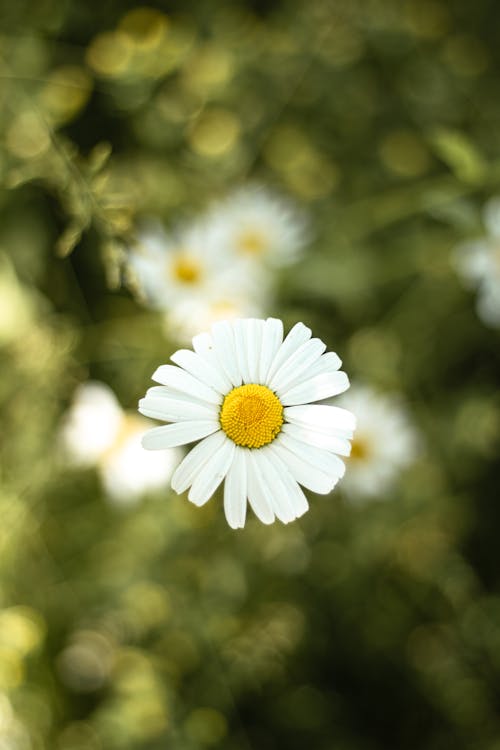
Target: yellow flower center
{"x": 359, "y": 449}
{"x": 186, "y": 270}
{"x": 252, "y": 242}
{"x": 251, "y": 415}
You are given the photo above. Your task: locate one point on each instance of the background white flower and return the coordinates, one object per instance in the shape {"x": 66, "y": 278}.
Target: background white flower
{"x": 262, "y": 228}
{"x": 192, "y": 278}
{"x": 385, "y": 443}
{"x": 248, "y": 396}
{"x": 478, "y": 262}
{"x": 96, "y": 431}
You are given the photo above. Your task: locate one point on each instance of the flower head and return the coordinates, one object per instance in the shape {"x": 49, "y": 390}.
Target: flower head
{"x": 375, "y": 462}
{"x": 249, "y": 397}
{"x": 97, "y": 432}
{"x": 191, "y": 278}
{"x": 259, "y": 227}
{"x": 478, "y": 262}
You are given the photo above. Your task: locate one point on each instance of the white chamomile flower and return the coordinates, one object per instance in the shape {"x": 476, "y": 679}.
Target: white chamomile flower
{"x": 248, "y": 396}
{"x": 478, "y": 262}
{"x": 376, "y": 460}
{"x": 260, "y": 227}
{"x": 97, "y": 432}
{"x": 192, "y": 279}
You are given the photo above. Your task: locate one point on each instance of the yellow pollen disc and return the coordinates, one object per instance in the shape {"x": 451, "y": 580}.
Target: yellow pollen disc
{"x": 186, "y": 269}
{"x": 359, "y": 449}
{"x": 251, "y": 415}
{"x": 252, "y": 242}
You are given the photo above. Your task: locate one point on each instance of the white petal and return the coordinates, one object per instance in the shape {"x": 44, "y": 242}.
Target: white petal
{"x": 179, "y": 433}
{"x": 162, "y": 391}
{"x": 214, "y": 471}
{"x": 329, "y": 362}
{"x": 191, "y": 465}
{"x": 203, "y": 345}
{"x": 175, "y": 410}
{"x": 273, "y": 487}
{"x": 201, "y": 369}
{"x": 319, "y": 439}
{"x": 297, "y": 336}
{"x": 223, "y": 338}
{"x": 182, "y": 381}
{"x": 302, "y": 471}
{"x": 257, "y": 499}
{"x": 295, "y": 493}
{"x": 329, "y": 419}
{"x": 240, "y": 327}
{"x": 272, "y": 337}
{"x": 235, "y": 490}
{"x": 296, "y": 365}
{"x": 316, "y": 389}
{"x": 318, "y": 458}
{"x": 253, "y": 346}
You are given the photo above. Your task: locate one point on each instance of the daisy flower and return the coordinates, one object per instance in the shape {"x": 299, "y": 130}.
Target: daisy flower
{"x": 259, "y": 227}
{"x": 375, "y": 463}
{"x": 478, "y": 263}
{"x": 249, "y": 397}
{"x": 97, "y": 432}
{"x": 192, "y": 279}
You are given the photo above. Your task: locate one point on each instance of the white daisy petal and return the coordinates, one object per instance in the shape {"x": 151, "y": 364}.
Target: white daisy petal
{"x": 327, "y": 363}
{"x": 273, "y": 486}
{"x": 297, "y": 336}
{"x": 170, "y": 410}
{"x": 254, "y": 345}
{"x": 302, "y": 471}
{"x": 301, "y": 361}
{"x": 182, "y": 381}
{"x": 203, "y": 345}
{"x": 295, "y": 493}
{"x": 329, "y": 419}
{"x": 316, "y": 389}
{"x": 257, "y": 498}
{"x": 179, "y": 433}
{"x": 207, "y": 481}
{"x": 318, "y": 458}
{"x": 272, "y": 337}
{"x": 240, "y": 328}
{"x": 200, "y": 369}
{"x": 223, "y": 338}
{"x": 319, "y": 439}
{"x": 235, "y": 490}
{"x": 192, "y": 464}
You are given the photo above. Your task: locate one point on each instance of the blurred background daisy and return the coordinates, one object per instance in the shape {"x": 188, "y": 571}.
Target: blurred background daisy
{"x": 478, "y": 263}
{"x": 384, "y": 444}
{"x": 96, "y": 432}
